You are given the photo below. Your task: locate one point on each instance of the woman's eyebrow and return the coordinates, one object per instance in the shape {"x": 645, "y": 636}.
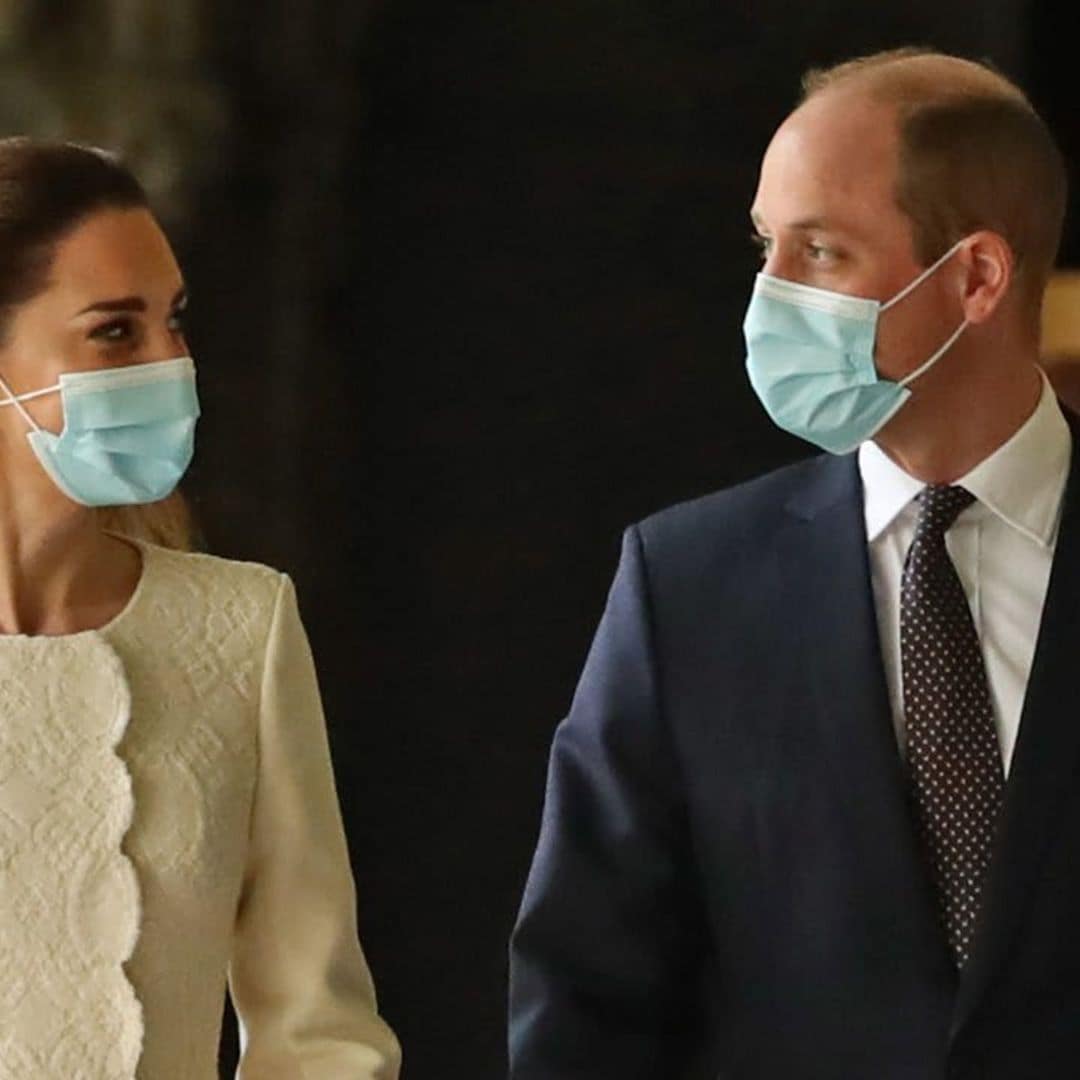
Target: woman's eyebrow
{"x": 124, "y": 303}
{"x": 130, "y": 303}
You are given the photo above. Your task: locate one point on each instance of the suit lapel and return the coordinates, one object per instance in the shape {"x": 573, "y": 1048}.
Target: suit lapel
{"x": 1044, "y": 760}
{"x": 825, "y": 563}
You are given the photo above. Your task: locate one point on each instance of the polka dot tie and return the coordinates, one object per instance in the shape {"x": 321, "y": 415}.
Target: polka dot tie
{"x": 953, "y": 752}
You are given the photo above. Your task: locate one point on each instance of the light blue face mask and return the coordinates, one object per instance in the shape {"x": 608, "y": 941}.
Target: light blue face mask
{"x": 129, "y": 432}
{"x": 810, "y": 358}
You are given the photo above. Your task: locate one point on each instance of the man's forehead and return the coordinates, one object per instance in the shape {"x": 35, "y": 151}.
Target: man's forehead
{"x": 842, "y": 121}
{"x": 827, "y": 159}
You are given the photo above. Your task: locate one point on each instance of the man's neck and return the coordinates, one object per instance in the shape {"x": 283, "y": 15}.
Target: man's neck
{"x": 940, "y": 440}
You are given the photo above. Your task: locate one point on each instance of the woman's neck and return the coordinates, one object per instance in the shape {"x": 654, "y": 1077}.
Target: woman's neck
{"x": 59, "y": 573}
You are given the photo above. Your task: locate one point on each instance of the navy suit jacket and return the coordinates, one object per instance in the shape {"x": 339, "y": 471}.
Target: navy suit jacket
{"x": 727, "y": 883}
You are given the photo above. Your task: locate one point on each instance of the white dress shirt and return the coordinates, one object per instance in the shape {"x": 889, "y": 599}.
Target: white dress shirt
{"x": 1002, "y": 547}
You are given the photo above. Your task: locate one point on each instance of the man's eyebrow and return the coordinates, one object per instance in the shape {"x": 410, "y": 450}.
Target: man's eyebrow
{"x": 812, "y": 223}
{"x": 820, "y": 224}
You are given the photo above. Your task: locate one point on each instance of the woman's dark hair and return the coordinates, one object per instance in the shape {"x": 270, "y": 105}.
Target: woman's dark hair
{"x": 46, "y": 189}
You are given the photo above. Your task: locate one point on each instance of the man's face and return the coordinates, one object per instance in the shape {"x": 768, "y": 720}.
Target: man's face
{"x": 825, "y": 214}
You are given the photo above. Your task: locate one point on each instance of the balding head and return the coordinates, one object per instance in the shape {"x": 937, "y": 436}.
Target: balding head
{"x": 912, "y": 76}
{"x": 972, "y": 154}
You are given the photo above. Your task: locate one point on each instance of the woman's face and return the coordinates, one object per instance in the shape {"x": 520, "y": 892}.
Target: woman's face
{"x": 114, "y": 297}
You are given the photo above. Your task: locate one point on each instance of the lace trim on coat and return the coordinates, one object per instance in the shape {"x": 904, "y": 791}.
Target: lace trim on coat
{"x": 69, "y": 896}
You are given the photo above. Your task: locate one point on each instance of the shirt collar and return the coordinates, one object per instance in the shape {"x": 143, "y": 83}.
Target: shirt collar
{"x": 1022, "y": 481}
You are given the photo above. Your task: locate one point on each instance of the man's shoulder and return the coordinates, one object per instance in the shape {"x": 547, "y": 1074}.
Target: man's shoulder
{"x": 747, "y": 513}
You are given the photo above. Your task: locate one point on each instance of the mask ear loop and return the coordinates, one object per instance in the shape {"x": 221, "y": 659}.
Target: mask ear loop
{"x": 911, "y": 286}
{"x": 924, "y": 368}
{"x": 18, "y": 401}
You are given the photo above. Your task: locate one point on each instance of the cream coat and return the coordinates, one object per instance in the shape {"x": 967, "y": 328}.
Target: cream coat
{"x": 168, "y": 821}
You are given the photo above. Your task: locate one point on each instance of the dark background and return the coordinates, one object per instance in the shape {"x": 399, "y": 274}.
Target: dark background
{"x": 467, "y": 286}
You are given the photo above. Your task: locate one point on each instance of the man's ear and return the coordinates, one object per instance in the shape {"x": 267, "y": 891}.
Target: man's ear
{"x": 989, "y": 262}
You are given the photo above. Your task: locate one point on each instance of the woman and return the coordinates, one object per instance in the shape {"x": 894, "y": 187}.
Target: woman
{"x": 167, "y": 810}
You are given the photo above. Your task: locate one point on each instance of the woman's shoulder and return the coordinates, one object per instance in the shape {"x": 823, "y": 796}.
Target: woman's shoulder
{"x": 217, "y": 567}
{"x": 201, "y": 623}
{"x": 231, "y": 588}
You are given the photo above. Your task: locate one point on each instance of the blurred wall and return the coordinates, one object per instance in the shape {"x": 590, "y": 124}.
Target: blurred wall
{"x": 467, "y": 282}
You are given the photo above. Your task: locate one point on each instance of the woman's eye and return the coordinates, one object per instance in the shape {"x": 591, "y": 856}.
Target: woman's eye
{"x": 819, "y": 253}
{"x": 176, "y": 322}
{"x": 114, "y": 331}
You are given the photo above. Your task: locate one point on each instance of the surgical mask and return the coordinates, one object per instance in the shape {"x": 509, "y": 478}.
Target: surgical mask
{"x": 129, "y": 432}
{"x": 810, "y": 359}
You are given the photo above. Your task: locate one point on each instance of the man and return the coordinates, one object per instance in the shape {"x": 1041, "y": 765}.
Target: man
{"x": 815, "y": 811}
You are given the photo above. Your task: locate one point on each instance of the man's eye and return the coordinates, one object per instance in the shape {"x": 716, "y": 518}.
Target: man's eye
{"x": 818, "y": 252}
{"x": 176, "y": 321}
{"x": 762, "y": 243}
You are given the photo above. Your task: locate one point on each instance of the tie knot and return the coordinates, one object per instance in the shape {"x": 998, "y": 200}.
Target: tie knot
{"x": 939, "y": 507}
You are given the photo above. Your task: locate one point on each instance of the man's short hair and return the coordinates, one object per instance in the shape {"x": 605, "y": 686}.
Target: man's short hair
{"x": 974, "y": 154}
